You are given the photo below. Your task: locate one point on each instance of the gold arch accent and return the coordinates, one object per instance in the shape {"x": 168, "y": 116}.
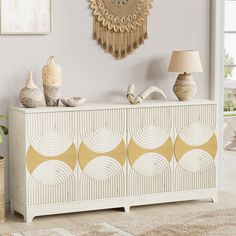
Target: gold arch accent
{"x": 86, "y": 155}
{"x": 181, "y": 147}
{"x": 34, "y": 159}
{"x": 135, "y": 151}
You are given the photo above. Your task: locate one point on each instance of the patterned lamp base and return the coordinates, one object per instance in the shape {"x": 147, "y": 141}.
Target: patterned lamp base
{"x": 185, "y": 87}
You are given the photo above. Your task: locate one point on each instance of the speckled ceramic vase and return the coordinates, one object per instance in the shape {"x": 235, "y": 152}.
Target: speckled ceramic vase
{"x": 52, "y": 79}
{"x": 185, "y": 87}
{"x": 30, "y": 96}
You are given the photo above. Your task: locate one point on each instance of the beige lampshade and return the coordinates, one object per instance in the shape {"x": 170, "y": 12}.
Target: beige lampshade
{"x": 185, "y": 61}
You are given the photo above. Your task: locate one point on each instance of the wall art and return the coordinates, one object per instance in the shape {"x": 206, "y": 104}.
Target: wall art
{"x": 120, "y": 26}
{"x": 26, "y": 16}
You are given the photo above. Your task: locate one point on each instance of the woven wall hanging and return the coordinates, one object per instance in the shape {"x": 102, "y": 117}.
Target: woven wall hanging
{"x": 120, "y": 26}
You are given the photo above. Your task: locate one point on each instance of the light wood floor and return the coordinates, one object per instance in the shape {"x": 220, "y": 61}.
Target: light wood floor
{"x": 226, "y": 200}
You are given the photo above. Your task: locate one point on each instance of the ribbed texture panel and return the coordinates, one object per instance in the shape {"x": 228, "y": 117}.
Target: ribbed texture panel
{"x": 195, "y": 125}
{"x": 91, "y": 189}
{"x": 51, "y": 134}
{"x": 141, "y": 185}
{"x": 186, "y": 180}
{"x": 157, "y": 119}
{"x": 60, "y": 192}
{"x": 150, "y": 128}
{"x": 185, "y": 115}
{"x": 103, "y": 177}
{"x": 101, "y": 131}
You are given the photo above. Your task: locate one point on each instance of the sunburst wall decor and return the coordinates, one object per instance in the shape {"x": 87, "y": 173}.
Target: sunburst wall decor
{"x": 120, "y": 26}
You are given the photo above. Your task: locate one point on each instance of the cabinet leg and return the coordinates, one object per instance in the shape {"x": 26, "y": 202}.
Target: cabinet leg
{"x": 12, "y": 211}
{"x": 127, "y": 209}
{"x": 28, "y": 218}
{"x": 214, "y": 197}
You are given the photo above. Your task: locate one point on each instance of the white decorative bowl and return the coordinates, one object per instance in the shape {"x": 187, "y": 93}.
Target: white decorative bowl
{"x": 73, "y": 101}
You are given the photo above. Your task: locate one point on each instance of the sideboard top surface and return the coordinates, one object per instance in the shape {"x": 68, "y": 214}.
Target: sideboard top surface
{"x": 113, "y": 105}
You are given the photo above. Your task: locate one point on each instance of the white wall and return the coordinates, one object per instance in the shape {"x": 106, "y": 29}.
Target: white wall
{"x": 88, "y": 71}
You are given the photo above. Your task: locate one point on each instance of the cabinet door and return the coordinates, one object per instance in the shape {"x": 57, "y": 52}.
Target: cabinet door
{"x": 150, "y": 150}
{"x": 195, "y": 147}
{"x": 102, "y": 154}
{"x": 51, "y": 158}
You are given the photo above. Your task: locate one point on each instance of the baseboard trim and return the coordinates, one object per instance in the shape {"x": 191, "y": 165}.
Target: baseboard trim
{"x": 29, "y": 212}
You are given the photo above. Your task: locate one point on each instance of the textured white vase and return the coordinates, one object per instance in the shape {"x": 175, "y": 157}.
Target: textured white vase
{"x": 185, "y": 87}
{"x": 52, "y": 80}
{"x": 30, "y": 96}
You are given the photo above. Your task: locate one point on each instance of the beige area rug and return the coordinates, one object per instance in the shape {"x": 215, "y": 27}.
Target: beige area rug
{"x": 214, "y": 223}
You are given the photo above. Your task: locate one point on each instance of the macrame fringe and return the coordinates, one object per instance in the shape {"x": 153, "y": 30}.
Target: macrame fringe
{"x": 119, "y": 44}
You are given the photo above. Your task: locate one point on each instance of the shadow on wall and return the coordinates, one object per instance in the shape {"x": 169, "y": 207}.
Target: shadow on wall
{"x": 148, "y": 73}
{"x": 14, "y": 85}
{"x": 153, "y": 73}
{"x": 117, "y": 96}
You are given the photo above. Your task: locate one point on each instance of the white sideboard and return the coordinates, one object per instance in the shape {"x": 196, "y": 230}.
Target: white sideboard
{"x": 101, "y": 156}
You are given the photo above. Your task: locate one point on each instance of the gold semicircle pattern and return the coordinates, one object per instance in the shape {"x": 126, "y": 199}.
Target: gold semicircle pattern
{"x": 86, "y": 155}
{"x": 135, "y": 151}
{"x": 34, "y": 159}
{"x": 181, "y": 147}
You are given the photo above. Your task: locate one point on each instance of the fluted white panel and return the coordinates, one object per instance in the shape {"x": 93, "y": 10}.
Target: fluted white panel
{"x": 195, "y": 124}
{"x": 52, "y": 173}
{"x": 102, "y": 140}
{"x": 151, "y": 172}
{"x": 150, "y": 137}
{"x": 111, "y": 187}
{"x": 52, "y": 133}
{"x": 102, "y": 130}
{"x": 143, "y": 184}
{"x": 151, "y": 164}
{"x": 103, "y": 176}
{"x": 196, "y": 133}
{"x": 51, "y": 182}
{"x": 196, "y": 161}
{"x": 189, "y": 180}
{"x": 196, "y": 169}
{"x": 150, "y": 127}
{"x": 102, "y": 168}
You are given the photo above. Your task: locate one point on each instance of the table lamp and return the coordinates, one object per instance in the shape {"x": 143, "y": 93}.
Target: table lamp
{"x": 187, "y": 62}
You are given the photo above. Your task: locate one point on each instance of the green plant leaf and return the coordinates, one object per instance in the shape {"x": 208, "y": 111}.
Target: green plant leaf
{"x": 4, "y": 129}
{"x": 3, "y": 117}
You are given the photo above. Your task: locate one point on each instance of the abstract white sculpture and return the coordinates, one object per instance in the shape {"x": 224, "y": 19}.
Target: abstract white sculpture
{"x": 143, "y": 96}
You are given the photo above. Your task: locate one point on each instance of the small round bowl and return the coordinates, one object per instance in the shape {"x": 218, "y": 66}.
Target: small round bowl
{"x": 73, "y": 101}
